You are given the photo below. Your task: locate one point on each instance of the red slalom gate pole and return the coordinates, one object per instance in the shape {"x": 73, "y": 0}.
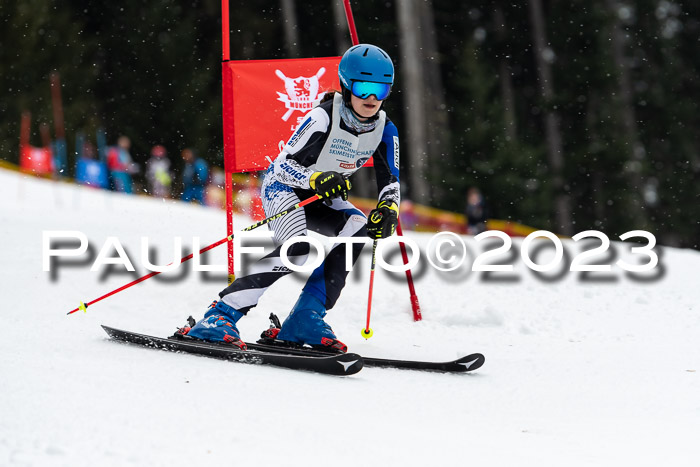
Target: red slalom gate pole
{"x": 417, "y": 315}
{"x": 301, "y": 204}
{"x": 351, "y": 22}
{"x": 227, "y": 90}
{"x": 225, "y": 35}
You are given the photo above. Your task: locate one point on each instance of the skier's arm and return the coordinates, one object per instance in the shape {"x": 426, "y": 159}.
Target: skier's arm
{"x": 382, "y": 220}
{"x": 386, "y": 166}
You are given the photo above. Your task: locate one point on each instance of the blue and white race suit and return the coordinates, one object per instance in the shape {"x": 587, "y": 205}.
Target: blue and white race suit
{"x": 322, "y": 142}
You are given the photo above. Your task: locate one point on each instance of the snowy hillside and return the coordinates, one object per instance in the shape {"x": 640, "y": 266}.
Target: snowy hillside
{"x": 599, "y": 369}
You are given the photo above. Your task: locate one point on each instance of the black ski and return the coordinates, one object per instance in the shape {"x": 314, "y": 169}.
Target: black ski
{"x": 464, "y": 364}
{"x": 461, "y": 365}
{"x": 331, "y": 364}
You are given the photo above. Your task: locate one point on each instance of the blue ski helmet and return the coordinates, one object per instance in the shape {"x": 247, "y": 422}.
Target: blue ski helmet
{"x": 365, "y": 62}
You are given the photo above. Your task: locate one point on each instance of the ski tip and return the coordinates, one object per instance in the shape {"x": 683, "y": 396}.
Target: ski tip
{"x": 351, "y": 362}
{"x": 471, "y": 362}
{"x": 113, "y": 332}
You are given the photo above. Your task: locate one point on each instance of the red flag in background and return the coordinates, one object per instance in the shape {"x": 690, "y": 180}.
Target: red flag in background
{"x": 36, "y": 160}
{"x": 265, "y": 100}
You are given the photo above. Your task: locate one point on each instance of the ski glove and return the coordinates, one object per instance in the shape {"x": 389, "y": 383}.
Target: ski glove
{"x": 382, "y": 221}
{"x": 330, "y": 185}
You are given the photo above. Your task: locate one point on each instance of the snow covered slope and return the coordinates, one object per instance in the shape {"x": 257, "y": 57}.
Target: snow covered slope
{"x": 593, "y": 370}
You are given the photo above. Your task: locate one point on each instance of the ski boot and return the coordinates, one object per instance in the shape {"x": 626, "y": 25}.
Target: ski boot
{"x": 218, "y": 325}
{"x": 305, "y": 325}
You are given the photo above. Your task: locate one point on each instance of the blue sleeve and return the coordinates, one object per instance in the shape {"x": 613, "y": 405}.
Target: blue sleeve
{"x": 386, "y": 165}
{"x": 390, "y": 138}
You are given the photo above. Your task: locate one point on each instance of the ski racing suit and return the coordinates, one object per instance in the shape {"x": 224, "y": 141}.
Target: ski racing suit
{"x": 322, "y": 142}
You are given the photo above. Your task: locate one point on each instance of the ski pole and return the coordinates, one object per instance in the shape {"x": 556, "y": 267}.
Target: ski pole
{"x": 367, "y": 331}
{"x": 83, "y": 306}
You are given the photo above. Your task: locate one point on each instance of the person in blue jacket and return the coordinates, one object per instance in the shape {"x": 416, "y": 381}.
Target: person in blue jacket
{"x": 334, "y": 140}
{"x": 121, "y": 165}
{"x": 194, "y": 177}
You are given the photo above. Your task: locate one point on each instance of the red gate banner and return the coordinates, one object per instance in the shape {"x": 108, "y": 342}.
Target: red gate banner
{"x": 265, "y": 100}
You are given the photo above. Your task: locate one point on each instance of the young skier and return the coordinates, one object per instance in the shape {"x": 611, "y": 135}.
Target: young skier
{"x": 333, "y": 141}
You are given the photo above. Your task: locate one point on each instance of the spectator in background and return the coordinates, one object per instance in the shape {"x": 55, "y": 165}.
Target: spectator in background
{"x": 121, "y": 166}
{"x": 89, "y": 170}
{"x": 215, "y": 193}
{"x": 89, "y": 151}
{"x": 476, "y": 212}
{"x": 194, "y": 177}
{"x": 158, "y": 172}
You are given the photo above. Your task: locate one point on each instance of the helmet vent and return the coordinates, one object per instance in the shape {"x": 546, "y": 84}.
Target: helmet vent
{"x": 366, "y": 51}
{"x": 370, "y": 74}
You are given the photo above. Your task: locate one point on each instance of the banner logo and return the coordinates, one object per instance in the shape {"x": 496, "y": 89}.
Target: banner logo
{"x": 301, "y": 92}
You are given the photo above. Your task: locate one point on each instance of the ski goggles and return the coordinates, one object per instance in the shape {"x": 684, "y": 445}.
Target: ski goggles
{"x": 364, "y": 89}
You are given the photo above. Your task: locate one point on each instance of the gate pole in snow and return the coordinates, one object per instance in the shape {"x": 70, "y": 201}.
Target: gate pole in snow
{"x": 225, "y": 57}
{"x": 417, "y": 316}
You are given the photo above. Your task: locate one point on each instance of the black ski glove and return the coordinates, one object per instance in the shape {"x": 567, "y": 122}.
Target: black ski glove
{"x": 330, "y": 185}
{"x": 382, "y": 221}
